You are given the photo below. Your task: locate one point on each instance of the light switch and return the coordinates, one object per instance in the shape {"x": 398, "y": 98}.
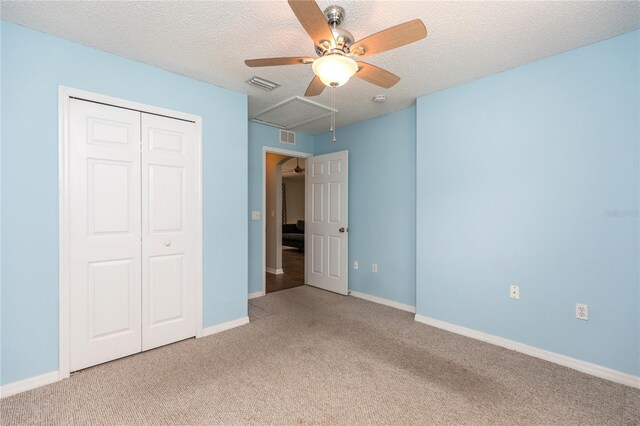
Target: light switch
{"x": 255, "y": 215}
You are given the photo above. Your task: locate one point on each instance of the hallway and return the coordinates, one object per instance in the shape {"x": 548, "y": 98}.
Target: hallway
{"x": 293, "y": 266}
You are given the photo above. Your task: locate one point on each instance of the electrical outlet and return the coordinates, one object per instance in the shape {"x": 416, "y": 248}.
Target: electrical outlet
{"x": 514, "y": 292}
{"x": 374, "y": 267}
{"x": 582, "y": 311}
{"x": 355, "y": 264}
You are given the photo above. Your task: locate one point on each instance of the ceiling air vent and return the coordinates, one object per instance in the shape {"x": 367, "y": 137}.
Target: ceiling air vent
{"x": 287, "y": 137}
{"x": 262, "y": 83}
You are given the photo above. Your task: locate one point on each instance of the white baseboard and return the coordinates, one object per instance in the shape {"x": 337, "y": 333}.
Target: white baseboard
{"x": 566, "y": 361}
{"x": 52, "y": 377}
{"x": 274, "y": 271}
{"x": 382, "y": 301}
{"x": 224, "y": 326}
{"x": 256, "y": 294}
{"x": 28, "y": 384}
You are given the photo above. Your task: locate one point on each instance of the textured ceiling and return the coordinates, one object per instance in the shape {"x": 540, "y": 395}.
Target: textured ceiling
{"x": 209, "y": 41}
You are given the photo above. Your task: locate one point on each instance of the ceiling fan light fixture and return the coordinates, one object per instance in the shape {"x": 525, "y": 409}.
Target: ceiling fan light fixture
{"x": 334, "y": 70}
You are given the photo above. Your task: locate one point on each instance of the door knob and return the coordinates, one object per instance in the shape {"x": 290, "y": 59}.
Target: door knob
{"x": 167, "y": 243}
{"x": 343, "y": 229}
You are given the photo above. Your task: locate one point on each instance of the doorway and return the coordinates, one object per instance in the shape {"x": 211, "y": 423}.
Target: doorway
{"x": 326, "y": 186}
{"x": 273, "y": 160}
{"x": 285, "y": 222}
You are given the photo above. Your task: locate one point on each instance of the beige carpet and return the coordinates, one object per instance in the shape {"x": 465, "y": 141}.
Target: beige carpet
{"x": 313, "y": 357}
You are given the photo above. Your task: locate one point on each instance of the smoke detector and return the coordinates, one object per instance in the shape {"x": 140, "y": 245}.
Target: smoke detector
{"x": 379, "y": 99}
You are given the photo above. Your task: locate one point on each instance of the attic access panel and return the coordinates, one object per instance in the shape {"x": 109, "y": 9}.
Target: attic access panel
{"x": 292, "y": 113}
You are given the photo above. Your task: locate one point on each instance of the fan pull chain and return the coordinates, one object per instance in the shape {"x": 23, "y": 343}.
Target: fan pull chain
{"x": 333, "y": 113}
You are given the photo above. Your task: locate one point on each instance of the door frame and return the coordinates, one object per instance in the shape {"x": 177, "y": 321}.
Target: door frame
{"x": 280, "y": 151}
{"x": 65, "y": 215}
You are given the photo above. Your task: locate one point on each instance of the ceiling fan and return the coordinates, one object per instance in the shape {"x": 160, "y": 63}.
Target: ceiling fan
{"x": 337, "y": 49}
{"x": 298, "y": 170}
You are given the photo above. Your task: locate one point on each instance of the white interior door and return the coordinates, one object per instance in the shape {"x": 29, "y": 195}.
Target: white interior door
{"x": 104, "y": 197}
{"x": 327, "y": 238}
{"x": 168, "y": 230}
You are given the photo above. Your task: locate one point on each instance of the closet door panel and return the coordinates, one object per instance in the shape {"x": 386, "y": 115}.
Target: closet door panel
{"x": 105, "y": 233}
{"x": 166, "y": 198}
{"x": 169, "y": 214}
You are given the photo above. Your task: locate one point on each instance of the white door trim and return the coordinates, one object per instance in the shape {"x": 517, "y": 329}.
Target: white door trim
{"x": 64, "y": 95}
{"x": 280, "y": 151}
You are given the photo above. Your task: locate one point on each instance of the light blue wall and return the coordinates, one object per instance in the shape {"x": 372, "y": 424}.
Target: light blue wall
{"x": 259, "y": 137}
{"x": 531, "y": 177}
{"x": 33, "y": 65}
{"x": 382, "y": 209}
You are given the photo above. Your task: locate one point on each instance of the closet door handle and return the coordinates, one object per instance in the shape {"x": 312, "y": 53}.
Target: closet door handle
{"x": 167, "y": 243}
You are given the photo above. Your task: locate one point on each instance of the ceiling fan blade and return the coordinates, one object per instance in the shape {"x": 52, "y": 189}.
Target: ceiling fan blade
{"x": 376, "y": 75}
{"x": 315, "y": 87}
{"x": 313, "y": 20}
{"x": 390, "y": 38}
{"x": 269, "y": 62}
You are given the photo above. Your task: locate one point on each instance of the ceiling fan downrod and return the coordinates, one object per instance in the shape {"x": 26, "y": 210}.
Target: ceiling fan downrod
{"x": 342, "y": 38}
{"x": 334, "y": 15}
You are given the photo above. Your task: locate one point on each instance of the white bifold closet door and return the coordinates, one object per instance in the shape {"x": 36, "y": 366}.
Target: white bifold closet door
{"x": 168, "y": 230}
{"x": 132, "y": 235}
